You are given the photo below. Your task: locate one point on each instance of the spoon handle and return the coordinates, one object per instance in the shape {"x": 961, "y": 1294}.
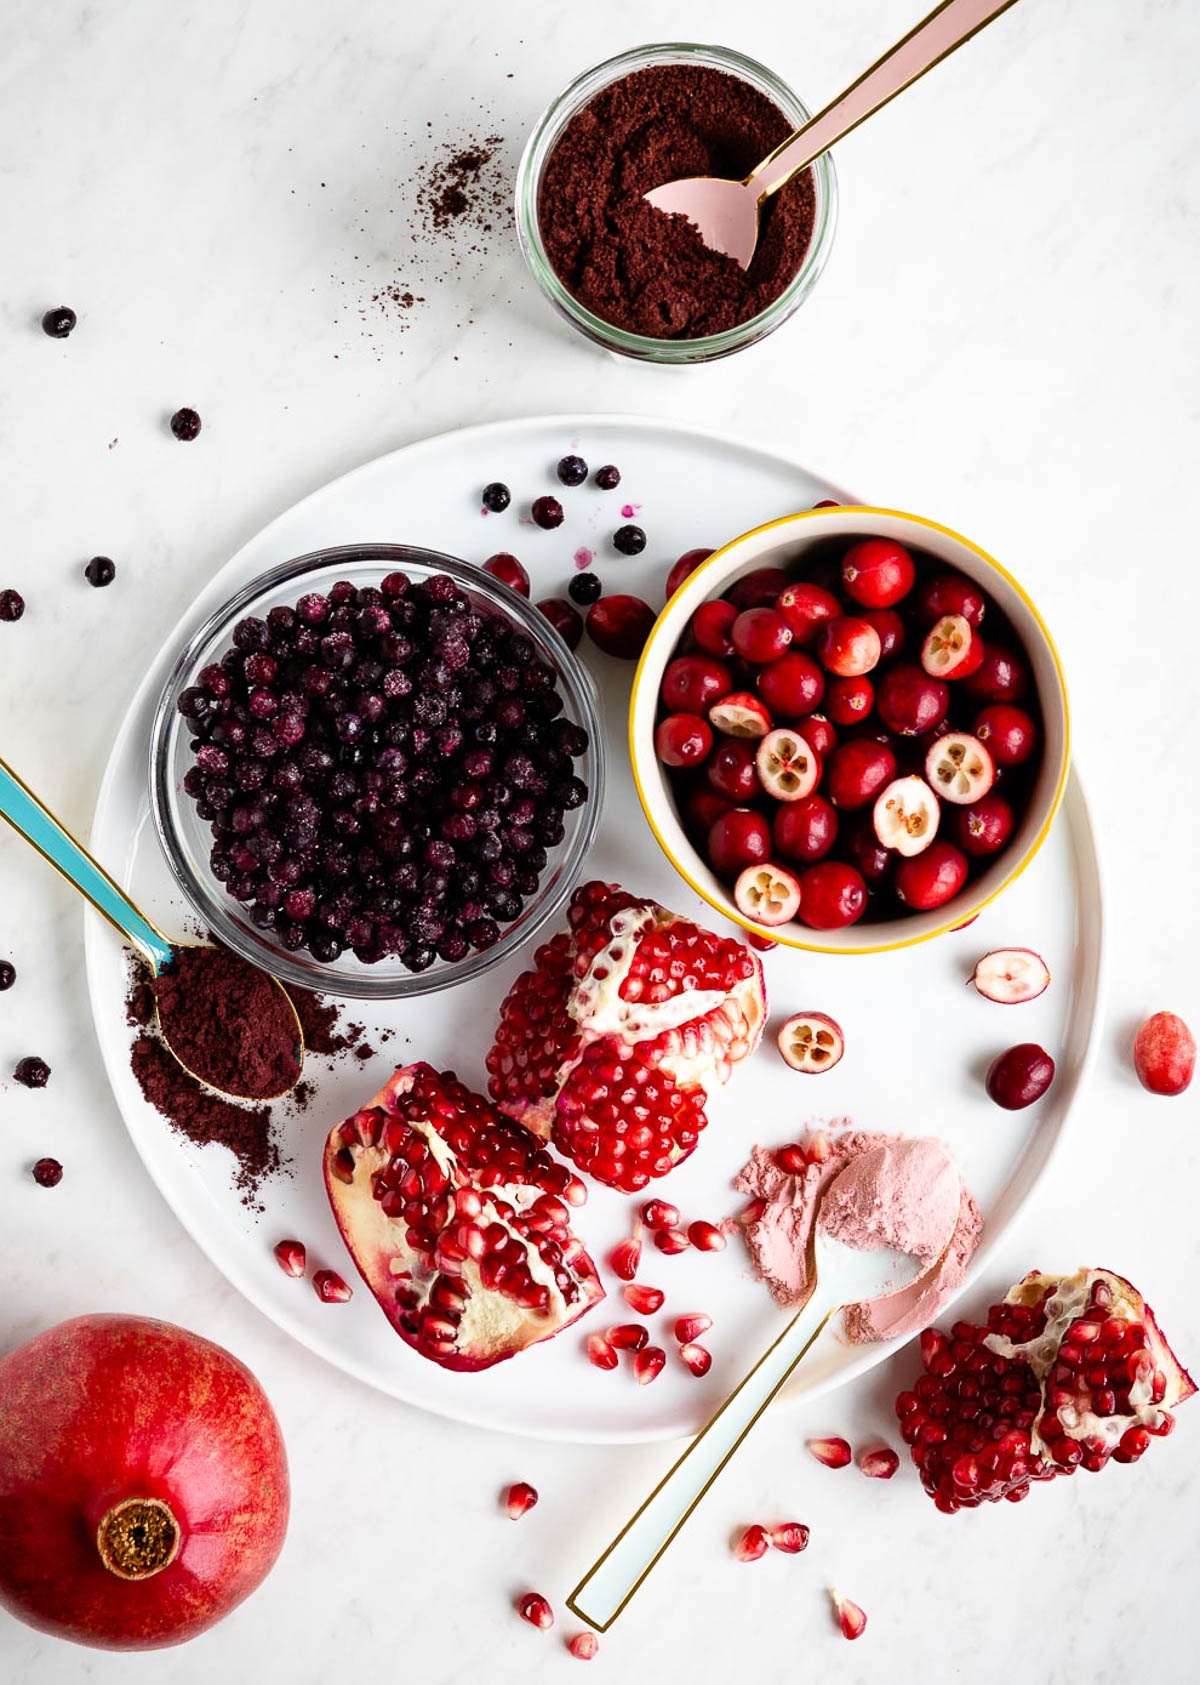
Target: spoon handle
{"x": 26, "y": 814}
{"x": 932, "y": 40}
{"x": 608, "y": 1586}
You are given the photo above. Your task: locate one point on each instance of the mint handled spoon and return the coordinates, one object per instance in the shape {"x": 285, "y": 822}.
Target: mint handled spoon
{"x": 31, "y": 819}
{"x": 725, "y": 213}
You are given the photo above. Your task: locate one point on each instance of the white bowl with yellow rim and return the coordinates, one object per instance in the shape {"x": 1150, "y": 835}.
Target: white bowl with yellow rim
{"x": 790, "y": 543}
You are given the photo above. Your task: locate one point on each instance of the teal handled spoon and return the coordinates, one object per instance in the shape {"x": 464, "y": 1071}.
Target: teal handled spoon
{"x": 32, "y": 820}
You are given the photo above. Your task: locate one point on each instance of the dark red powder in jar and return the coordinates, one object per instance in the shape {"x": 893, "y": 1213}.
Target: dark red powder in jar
{"x": 636, "y": 267}
{"x": 228, "y": 1022}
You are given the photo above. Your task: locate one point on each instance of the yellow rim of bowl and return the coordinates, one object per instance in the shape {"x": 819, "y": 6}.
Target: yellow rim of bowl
{"x": 773, "y": 934}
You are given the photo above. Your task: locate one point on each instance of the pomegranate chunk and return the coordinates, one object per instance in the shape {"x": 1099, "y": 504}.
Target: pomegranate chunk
{"x": 751, "y": 1544}
{"x": 850, "y": 1617}
{"x": 520, "y": 1499}
{"x": 834, "y": 1453}
{"x": 534, "y": 1609}
{"x": 629, "y": 1020}
{"x": 455, "y": 1216}
{"x": 1068, "y": 1372}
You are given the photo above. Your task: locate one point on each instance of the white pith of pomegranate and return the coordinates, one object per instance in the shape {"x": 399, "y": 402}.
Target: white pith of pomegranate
{"x": 455, "y": 1217}
{"x": 627, "y": 1024}
{"x": 906, "y": 816}
{"x": 1068, "y": 1372}
{"x": 811, "y": 1042}
{"x": 960, "y": 768}
{"x": 788, "y": 766}
{"x": 769, "y": 894}
{"x": 1011, "y": 975}
{"x": 740, "y": 714}
{"x": 952, "y": 649}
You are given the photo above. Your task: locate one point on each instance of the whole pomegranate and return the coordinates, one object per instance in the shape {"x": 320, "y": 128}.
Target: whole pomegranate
{"x": 143, "y": 1483}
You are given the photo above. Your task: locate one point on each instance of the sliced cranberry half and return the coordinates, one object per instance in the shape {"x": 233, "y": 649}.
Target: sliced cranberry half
{"x": 811, "y": 1042}
{"x": 682, "y": 740}
{"x": 952, "y": 648}
{"x": 806, "y": 607}
{"x": 740, "y": 714}
{"x": 738, "y": 839}
{"x": 848, "y": 645}
{"x": 877, "y": 572}
{"x": 832, "y": 895}
{"x": 788, "y": 768}
{"x": 960, "y": 768}
{"x": 1011, "y": 976}
{"x": 692, "y": 683}
{"x": 931, "y": 879}
{"x": 769, "y": 894}
{"x": 906, "y": 816}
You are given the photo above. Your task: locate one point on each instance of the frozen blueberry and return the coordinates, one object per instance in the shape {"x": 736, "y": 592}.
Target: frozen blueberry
{"x": 496, "y": 497}
{"x": 57, "y": 324}
{"x": 8, "y": 975}
{"x": 185, "y": 424}
{"x": 12, "y": 605}
{"x": 547, "y": 512}
{"x": 630, "y": 541}
{"x": 32, "y": 1072}
{"x": 572, "y": 470}
{"x": 101, "y": 570}
{"x": 584, "y": 588}
{"x": 608, "y": 478}
{"x": 47, "y": 1173}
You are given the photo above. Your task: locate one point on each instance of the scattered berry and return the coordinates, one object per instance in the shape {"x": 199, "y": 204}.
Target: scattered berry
{"x": 600, "y": 1352}
{"x": 629, "y": 540}
{"x": 496, "y": 497}
{"x": 584, "y": 588}
{"x": 47, "y": 1173}
{"x": 330, "y": 1288}
{"x": 834, "y": 1453}
{"x": 1011, "y": 975}
{"x": 671, "y": 1241}
{"x": 647, "y": 1365}
{"x": 547, "y": 513}
{"x": 644, "y": 1300}
{"x": 291, "y": 1257}
{"x": 520, "y": 1499}
{"x": 626, "y": 1256}
{"x": 32, "y": 1072}
{"x": 584, "y": 1645}
{"x": 572, "y": 470}
{"x": 706, "y": 1237}
{"x": 811, "y": 1042}
{"x": 880, "y": 1464}
{"x": 697, "y": 1358}
{"x": 608, "y": 478}
{"x": 8, "y": 975}
{"x": 185, "y": 424}
{"x": 657, "y": 1214}
{"x": 565, "y": 620}
{"x": 1164, "y": 1054}
{"x": 620, "y": 625}
{"x": 57, "y": 324}
{"x": 752, "y": 1544}
{"x": 849, "y": 1616}
{"x": 790, "y": 1536}
{"x": 534, "y": 1609}
{"x": 628, "y": 1336}
{"x": 12, "y": 605}
{"x": 508, "y": 570}
{"x": 690, "y": 1327}
{"x": 1019, "y": 1076}
{"x": 100, "y": 571}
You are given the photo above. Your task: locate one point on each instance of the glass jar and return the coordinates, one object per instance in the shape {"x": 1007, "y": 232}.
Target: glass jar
{"x": 544, "y": 139}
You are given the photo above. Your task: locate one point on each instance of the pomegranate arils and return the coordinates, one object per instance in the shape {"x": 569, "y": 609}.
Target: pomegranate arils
{"x": 1011, "y": 975}
{"x": 628, "y": 1336}
{"x": 850, "y": 1617}
{"x": 657, "y": 1214}
{"x": 1164, "y": 1054}
{"x": 880, "y": 1464}
{"x": 690, "y": 1327}
{"x": 648, "y": 1364}
{"x": 330, "y": 1288}
{"x": 291, "y": 1257}
{"x": 534, "y": 1608}
{"x": 671, "y": 1241}
{"x": 790, "y": 1537}
{"x": 625, "y": 1257}
{"x": 644, "y": 1300}
{"x": 791, "y": 1159}
{"x": 811, "y": 1042}
{"x": 600, "y": 1352}
{"x": 583, "y": 1646}
{"x": 520, "y": 1499}
{"x": 706, "y": 1237}
{"x": 752, "y": 1543}
{"x": 834, "y": 1453}
{"x": 697, "y": 1358}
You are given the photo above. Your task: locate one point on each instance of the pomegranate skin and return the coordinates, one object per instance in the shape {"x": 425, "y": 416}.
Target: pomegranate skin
{"x": 101, "y": 1410}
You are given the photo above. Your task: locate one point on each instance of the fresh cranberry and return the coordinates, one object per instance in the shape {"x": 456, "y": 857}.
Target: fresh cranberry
{"x": 931, "y": 879}
{"x": 57, "y": 324}
{"x": 547, "y": 513}
{"x": 857, "y": 771}
{"x": 1019, "y": 1076}
{"x": 185, "y": 424}
{"x": 1001, "y": 676}
{"x": 684, "y": 568}
{"x": 608, "y": 478}
{"x": 1010, "y": 733}
{"x": 793, "y": 686}
{"x": 629, "y": 540}
{"x": 877, "y": 572}
{"x": 758, "y": 588}
{"x": 496, "y": 497}
{"x": 866, "y": 851}
{"x": 571, "y": 470}
{"x": 738, "y": 839}
{"x": 704, "y": 807}
{"x": 985, "y": 827}
{"x": 806, "y": 607}
{"x": 891, "y": 629}
{"x": 848, "y": 645}
{"x": 760, "y": 635}
{"x": 682, "y": 740}
{"x": 950, "y": 593}
{"x": 911, "y": 703}
{"x": 100, "y": 571}
{"x": 832, "y": 895}
{"x": 585, "y": 589}
{"x": 849, "y": 701}
{"x": 1164, "y": 1054}
{"x": 732, "y": 771}
{"x": 508, "y": 570}
{"x": 711, "y": 625}
{"x": 692, "y": 683}
{"x": 818, "y": 733}
{"x": 805, "y": 830}
{"x": 12, "y": 605}
{"x": 31, "y": 1072}
{"x": 620, "y": 625}
{"x": 564, "y": 619}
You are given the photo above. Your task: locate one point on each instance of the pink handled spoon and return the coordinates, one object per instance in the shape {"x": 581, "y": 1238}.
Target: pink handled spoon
{"x": 725, "y": 213}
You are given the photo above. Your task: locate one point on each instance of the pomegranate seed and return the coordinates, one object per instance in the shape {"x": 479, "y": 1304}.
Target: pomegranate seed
{"x": 647, "y": 1365}
{"x": 628, "y": 1336}
{"x": 834, "y": 1453}
{"x": 534, "y": 1609}
{"x": 880, "y": 1464}
{"x": 644, "y": 1300}
{"x": 690, "y": 1327}
{"x": 790, "y": 1536}
{"x": 626, "y": 1257}
{"x": 791, "y": 1158}
{"x": 519, "y": 1499}
{"x": 697, "y": 1358}
{"x": 657, "y": 1214}
{"x": 850, "y": 1617}
{"x": 933, "y": 1343}
{"x": 330, "y": 1288}
{"x": 600, "y": 1352}
{"x": 752, "y": 1544}
{"x": 291, "y": 1257}
{"x": 583, "y": 1646}
{"x": 671, "y": 1241}
{"x": 750, "y": 1214}
{"x": 706, "y": 1237}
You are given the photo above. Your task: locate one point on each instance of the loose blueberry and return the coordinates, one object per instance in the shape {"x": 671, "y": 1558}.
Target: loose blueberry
{"x": 57, "y": 324}
{"x": 496, "y": 497}
{"x": 608, "y": 478}
{"x": 547, "y": 513}
{"x": 584, "y": 588}
{"x": 32, "y": 1072}
{"x": 8, "y": 975}
{"x": 101, "y": 570}
{"x": 185, "y": 424}
{"x": 12, "y": 605}
{"x": 47, "y": 1173}
{"x": 572, "y": 470}
{"x": 629, "y": 540}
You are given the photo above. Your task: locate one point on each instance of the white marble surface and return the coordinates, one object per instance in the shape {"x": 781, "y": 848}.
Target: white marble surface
{"x": 1005, "y": 337}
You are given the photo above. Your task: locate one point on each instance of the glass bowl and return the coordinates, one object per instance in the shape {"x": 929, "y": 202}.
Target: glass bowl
{"x": 545, "y": 137}
{"x": 186, "y": 839}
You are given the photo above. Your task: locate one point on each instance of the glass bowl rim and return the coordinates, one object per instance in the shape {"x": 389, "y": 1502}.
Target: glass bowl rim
{"x": 167, "y": 724}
